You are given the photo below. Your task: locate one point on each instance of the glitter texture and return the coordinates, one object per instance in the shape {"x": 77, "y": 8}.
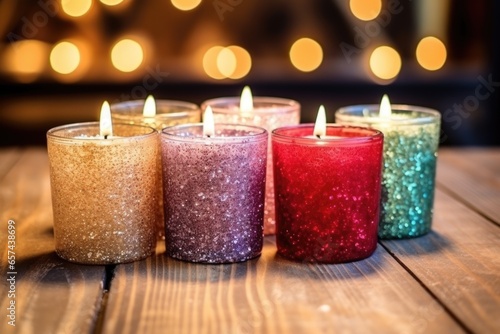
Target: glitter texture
{"x": 327, "y": 193}
{"x": 168, "y": 113}
{"x": 214, "y": 192}
{"x": 269, "y": 113}
{"x": 104, "y": 193}
{"x": 410, "y": 151}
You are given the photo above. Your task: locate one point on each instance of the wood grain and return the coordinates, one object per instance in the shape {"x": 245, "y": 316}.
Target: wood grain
{"x": 270, "y": 295}
{"x": 8, "y": 157}
{"x": 445, "y": 282}
{"x": 52, "y": 295}
{"x": 483, "y": 157}
{"x": 473, "y": 176}
{"x": 459, "y": 262}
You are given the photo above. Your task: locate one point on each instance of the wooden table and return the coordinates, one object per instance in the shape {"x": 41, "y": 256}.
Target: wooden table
{"x": 445, "y": 282}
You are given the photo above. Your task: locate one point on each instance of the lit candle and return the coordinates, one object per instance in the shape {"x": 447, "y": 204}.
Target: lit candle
{"x": 214, "y": 186}
{"x": 157, "y": 114}
{"x": 105, "y": 125}
{"x": 266, "y": 112}
{"x": 327, "y": 191}
{"x": 319, "y": 131}
{"x": 410, "y": 150}
{"x": 104, "y": 191}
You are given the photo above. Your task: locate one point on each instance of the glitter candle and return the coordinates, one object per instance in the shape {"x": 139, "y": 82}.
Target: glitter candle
{"x": 104, "y": 192}
{"x": 157, "y": 114}
{"x": 214, "y": 191}
{"x": 327, "y": 192}
{"x": 410, "y": 150}
{"x": 266, "y": 112}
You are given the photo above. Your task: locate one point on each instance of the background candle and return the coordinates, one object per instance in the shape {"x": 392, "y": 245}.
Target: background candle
{"x": 104, "y": 192}
{"x": 166, "y": 113}
{"x": 214, "y": 192}
{"x": 411, "y": 138}
{"x": 327, "y": 193}
{"x": 162, "y": 113}
{"x": 269, "y": 113}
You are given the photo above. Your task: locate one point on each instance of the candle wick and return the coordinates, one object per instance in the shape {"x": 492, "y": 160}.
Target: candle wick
{"x": 319, "y": 137}
{"x": 105, "y": 136}
{"x": 208, "y": 136}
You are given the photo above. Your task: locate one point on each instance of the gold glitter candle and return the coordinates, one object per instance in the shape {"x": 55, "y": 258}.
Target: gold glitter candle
{"x": 104, "y": 192}
{"x": 267, "y": 112}
{"x": 157, "y": 114}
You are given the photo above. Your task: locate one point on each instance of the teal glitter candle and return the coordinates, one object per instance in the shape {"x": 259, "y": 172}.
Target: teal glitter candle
{"x": 411, "y": 138}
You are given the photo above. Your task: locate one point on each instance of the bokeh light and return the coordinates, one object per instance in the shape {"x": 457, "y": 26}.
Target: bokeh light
{"x": 65, "y": 57}
{"x": 431, "y": 53}
{"x": 127, "y": 55}
{"x": 226, "y": 62}
{"x": 111, "y": 2}
{"x": 233, "y": 62}
{"x": 210, "y": 62}
{"x": 306, "y": 54}
{"x": 385, "y": 62}
{"x": 186, "y": 4}
{"x": 76, "y": 8}
{"x": 26, "y": 59}
{"x": 243, "y": 62}
{"x": 365, "y": 10}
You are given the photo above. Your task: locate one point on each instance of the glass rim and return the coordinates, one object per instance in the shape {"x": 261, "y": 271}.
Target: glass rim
{"x": 52, "y": 133}
{"x": 285, "y": 105}
{"x": 344, "y": 141}
{"x": 258, "y": 135}
{"x": 124, "y": 108}
{"x": 354, "y": 114}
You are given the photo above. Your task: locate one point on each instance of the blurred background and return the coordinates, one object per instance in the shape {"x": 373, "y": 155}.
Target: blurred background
{"x": 60, "y": 59}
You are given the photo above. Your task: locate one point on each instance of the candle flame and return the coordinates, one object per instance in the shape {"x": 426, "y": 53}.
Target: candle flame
{"x": 208, "y": 122}
{"x": 385, "y": 108}
{"x": 246, "y": 101}
{"x": 105, "y": 125}
{"x": 149, "y": 107}
{"x": 320, "y": 125}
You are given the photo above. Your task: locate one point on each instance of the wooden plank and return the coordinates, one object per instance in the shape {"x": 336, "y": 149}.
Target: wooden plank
{"x": 51, "y": 295}
{"x": 458, "y": 262}
{"x": 271, "y": 295}
{"x": 481, "y": 157}
{"x": 473, "y": 177}
{"x": 8, "y": 157}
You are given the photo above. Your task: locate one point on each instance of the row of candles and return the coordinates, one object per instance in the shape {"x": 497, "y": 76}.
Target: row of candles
{"x": 148, "y": 169}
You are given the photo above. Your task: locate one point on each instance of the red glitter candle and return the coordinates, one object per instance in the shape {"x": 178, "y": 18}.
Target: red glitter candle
{"x": 327, "y": 192}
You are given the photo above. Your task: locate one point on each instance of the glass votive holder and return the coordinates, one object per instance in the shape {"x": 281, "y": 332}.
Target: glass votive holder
{"x": 214, "y": 191}
{"x": 104, "y": 192}
{"x": 167, "y": 113}
{"x": 327, "y": 192}
{"x": 411, "y": 139}
{"x": 269, "y": 113}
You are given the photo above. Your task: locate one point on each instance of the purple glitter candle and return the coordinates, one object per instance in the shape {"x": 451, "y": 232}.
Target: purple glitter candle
{"x": 214, "y": 191}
